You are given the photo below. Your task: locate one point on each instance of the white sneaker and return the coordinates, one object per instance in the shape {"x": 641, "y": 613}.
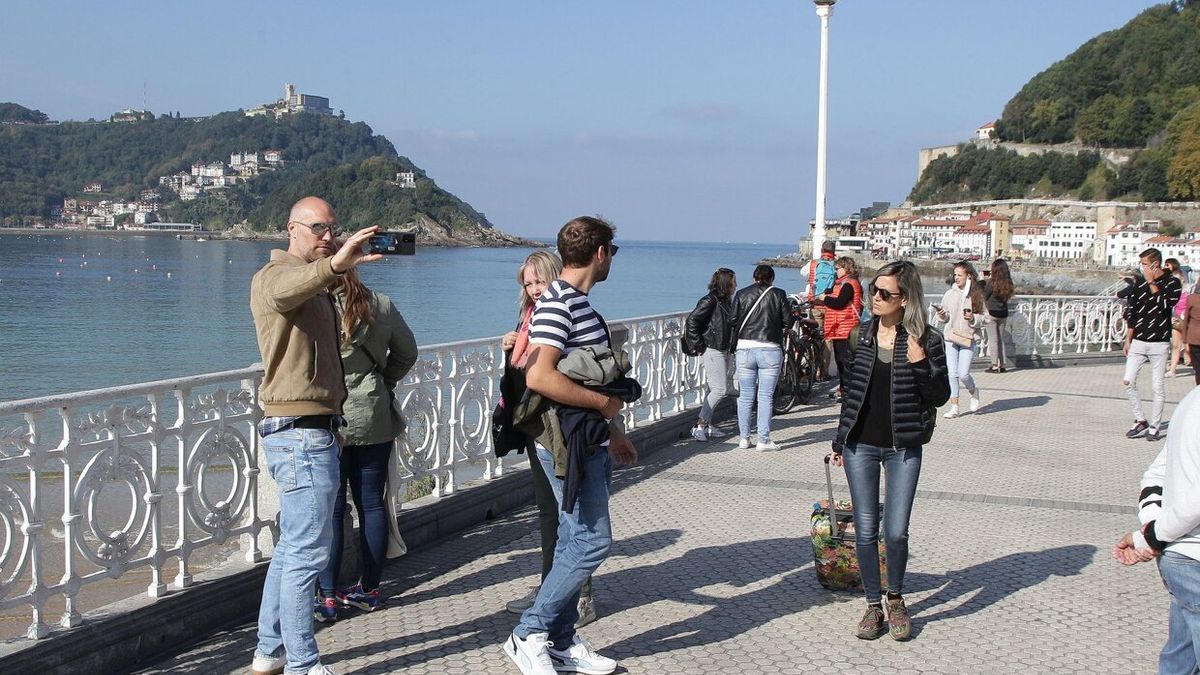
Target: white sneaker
{"x": 975, "y": 400}
{"x": 532, "y": 654}
{"x": 321, "y": 669}
{"x": 699, "y": 433}
{"x": 580, "y": 658}
{"x": 268, "y": 665}
{"x": 743, "y": 443}
{"x": 767, "y": 446}
{"x": 714, "y": 432}
{"x": 951, "y": 413}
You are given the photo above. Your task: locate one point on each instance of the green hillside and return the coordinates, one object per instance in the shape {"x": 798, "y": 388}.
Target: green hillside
{"x": 1134, "y": 87}
{"x": 42, "y": 163}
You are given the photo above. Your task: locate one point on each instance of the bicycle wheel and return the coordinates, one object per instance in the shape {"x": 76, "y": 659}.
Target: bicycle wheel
{"x": 805, "y": 372}
{"x": 785, "y": 388}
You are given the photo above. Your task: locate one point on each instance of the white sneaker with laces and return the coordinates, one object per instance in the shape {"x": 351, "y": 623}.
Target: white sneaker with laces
{"x": 951, "y": 413}
{"x": 743, "y": 443}
{"x": 714, "y": 432}
{"x": 268, "y": 665}
{"x": 532, "y": 654}
{"x": 580, "y": 658}
{"x": 321, "y": 669}
{"x": 700, "y": 433}
{"x": 767, "y": 446}
{"x": 975, "y": 400}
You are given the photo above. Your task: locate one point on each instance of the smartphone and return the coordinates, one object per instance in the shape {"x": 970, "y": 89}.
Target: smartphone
{"x": 392, "y": 243}
{"x": 936, "y": 307}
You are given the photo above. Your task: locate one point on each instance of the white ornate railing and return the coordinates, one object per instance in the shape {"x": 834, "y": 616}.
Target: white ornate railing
{"x": 1056, "y": 324}
{"x": 99, "y": 486}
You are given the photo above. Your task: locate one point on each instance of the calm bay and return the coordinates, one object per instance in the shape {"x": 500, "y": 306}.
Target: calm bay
{"x": 90, "y": 311}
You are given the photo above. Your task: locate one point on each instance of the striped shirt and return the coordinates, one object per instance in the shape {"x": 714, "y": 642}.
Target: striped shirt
{"x": 563, "y": 318}
{"x": 1150, "y": 313}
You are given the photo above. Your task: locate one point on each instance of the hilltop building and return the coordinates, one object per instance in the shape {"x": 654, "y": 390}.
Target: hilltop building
{"x": 130, "y": 115}
{"x": 292, "y": 102}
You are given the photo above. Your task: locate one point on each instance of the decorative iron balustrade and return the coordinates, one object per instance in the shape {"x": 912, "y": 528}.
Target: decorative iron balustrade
{"x": 142, "y": 481}
{"x": 111, "y": 485}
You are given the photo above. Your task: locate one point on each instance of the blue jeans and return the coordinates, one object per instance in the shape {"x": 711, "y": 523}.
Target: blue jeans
{"x": 958, "y": 362}
{"x": 584, "y": 541}
{"x": 1181, "y": 576}
{"x": 902, "y": 468}
{"x": 365, "y": 468}
{"x": 757, "y": 373}
{"x": 304, "y": 464}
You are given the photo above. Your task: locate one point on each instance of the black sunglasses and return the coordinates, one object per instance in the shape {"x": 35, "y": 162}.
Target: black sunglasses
{"x": 883, "y": 293}
{"x": 612, "y": 249}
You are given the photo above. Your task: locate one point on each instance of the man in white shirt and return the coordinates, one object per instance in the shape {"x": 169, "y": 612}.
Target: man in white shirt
{"x": 1169, "y": 510}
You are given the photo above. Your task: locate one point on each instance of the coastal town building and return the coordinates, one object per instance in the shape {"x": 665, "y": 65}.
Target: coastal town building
{"x": 406, "y": 180}
{"x": 93, "y": 187}
{"x": 1126, "y": 240}
{"x": 986, "y": 132}
{"x": 1060, "y": 240}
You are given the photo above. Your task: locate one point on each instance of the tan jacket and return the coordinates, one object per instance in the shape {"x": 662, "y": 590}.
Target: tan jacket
{"x": 297, "y": 333}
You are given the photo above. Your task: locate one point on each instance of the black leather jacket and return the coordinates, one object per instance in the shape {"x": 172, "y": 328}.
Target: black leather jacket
{"x": 768, "y": 321}
{"x": 710, "y": 322}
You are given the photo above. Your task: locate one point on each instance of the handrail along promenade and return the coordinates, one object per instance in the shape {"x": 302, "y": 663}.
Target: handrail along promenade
{"x": 164, "y": 478}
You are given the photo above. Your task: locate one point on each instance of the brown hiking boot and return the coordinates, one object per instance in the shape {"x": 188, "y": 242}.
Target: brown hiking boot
{"x": 871, "y": 625}
{"x": 899, "y": 623}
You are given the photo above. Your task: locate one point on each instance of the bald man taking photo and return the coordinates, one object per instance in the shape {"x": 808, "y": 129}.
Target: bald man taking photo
{"x": 302, "y": 394}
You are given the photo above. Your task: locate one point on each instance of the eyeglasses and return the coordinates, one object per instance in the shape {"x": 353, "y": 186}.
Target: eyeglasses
{"x": 319, "y": 229}
{"x": 883, "y": 293}
{"x": 612, "y": 249}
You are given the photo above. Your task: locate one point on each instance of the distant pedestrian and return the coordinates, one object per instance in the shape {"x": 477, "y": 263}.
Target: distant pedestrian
{"x": 898, "y": 379}
{"x": 1191, "y": 329}
{"x": 1152, "y": 297}
{"x": 1178, "y": 343}
{"x": 962, "y": 312}
{"x": 302, "y": 394}
{"x": 708, "y": 324}
{"x": 997, "y": 291}
{"x": 1169, "y": 513}
{"x": 378, "y": 349}
{"x": 760, "y": 315}
{"x": 538, "y": 271}
{"x": 843, "y": 309}
{"x": 822, "y": 274}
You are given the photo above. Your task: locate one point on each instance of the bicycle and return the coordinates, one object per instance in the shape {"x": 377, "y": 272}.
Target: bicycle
{"x": 801, "y": 347}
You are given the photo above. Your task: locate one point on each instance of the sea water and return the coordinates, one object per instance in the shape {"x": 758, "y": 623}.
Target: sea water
{"x": 89, "y": 311}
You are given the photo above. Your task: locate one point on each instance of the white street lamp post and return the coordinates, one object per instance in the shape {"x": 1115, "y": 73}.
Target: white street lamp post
{"x": 824, "y": 10}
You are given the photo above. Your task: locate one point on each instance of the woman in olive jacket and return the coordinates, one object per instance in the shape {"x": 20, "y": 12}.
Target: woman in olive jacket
{"x": 897, "y": 382}
{"x": 378, "y": 349}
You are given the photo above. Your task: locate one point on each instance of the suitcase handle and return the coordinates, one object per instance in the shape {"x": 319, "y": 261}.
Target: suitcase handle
{"x": 833, "y": 512}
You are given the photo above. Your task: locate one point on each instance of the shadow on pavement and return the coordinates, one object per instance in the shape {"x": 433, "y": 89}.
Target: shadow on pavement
{"x": 1006, "y": 404}
{"x": 990, "y": 582}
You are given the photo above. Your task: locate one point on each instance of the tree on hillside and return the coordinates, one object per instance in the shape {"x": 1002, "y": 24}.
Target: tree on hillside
{"x": 1183, "y": 173}
{"x": 15, "y": 112}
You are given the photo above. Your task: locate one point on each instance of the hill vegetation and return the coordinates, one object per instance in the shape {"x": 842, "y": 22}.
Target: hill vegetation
{"x": 41, "y": 164}
{"x": 1134, "y": 87}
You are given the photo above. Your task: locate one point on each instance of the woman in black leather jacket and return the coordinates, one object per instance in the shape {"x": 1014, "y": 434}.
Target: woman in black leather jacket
{"x": 709, "y": 324}
{"x": 897, "y": 382}
{"x": 757, "y": 333}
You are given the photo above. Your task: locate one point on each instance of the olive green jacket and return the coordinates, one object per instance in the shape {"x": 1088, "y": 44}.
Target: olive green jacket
{"x": 379, "y": 355}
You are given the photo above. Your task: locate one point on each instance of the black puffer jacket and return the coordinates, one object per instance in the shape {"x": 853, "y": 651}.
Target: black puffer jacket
{"x": 918, "y": 389}
{"x": 768, "y": 321}
{"x": 709, "y": 323}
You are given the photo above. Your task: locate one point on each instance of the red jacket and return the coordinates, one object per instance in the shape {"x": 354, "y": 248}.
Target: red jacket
{"x": 839, "y": 321}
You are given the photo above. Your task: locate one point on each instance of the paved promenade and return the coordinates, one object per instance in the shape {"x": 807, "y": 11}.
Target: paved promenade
{"x": 712, "y": 570}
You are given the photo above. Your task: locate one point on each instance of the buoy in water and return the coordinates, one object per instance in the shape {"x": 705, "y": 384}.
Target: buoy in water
{"x": 108, "y": 278}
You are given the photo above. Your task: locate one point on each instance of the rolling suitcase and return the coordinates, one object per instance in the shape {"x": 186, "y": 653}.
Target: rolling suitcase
{"x": 833, "y": 542}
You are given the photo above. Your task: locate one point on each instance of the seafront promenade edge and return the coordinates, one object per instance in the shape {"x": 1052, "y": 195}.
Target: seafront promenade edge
{"x": 1019, "y": 506}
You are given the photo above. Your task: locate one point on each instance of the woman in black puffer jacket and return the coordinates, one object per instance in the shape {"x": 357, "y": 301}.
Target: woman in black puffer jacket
{"x": 896, "y": 384}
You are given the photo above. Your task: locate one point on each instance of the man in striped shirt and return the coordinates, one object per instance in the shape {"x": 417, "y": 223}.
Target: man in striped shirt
{"x": 545, "y": 641}
{"x": 1148, "y": 338}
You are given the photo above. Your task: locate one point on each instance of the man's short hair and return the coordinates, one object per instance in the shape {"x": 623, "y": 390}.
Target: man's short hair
{"x": 579, "y": 239}
{"x": 1153, "y": 254}
{"x": 828, "y": 246}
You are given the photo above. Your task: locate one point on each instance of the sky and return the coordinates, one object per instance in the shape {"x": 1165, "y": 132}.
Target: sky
{"x": 678, "y": 120}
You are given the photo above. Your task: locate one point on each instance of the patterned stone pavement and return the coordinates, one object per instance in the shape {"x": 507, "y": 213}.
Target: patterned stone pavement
{"x": 712, "y": 572}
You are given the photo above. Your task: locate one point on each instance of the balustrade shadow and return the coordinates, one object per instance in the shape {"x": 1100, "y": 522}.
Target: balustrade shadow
{"x": 992, "y": 581}
{"x": 1007, "y": 404}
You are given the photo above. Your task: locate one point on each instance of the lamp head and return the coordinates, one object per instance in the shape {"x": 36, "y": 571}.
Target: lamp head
{"x": 824, "y": 3}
